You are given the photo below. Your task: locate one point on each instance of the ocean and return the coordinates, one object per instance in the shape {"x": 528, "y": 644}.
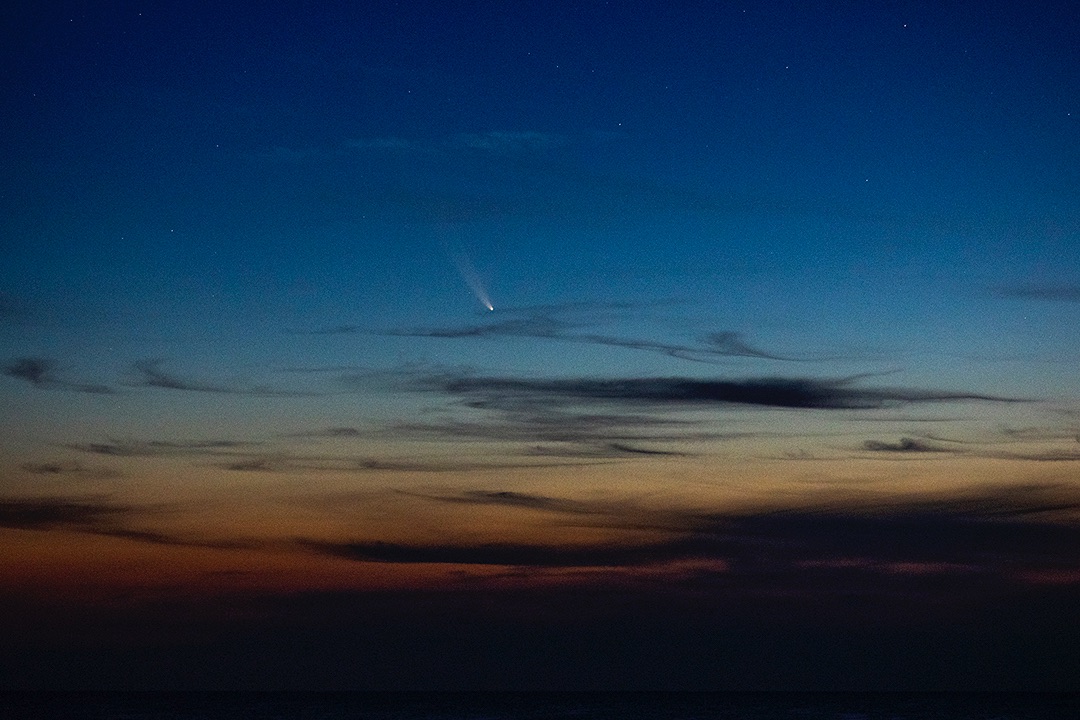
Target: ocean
{"x": 507, "y": 706}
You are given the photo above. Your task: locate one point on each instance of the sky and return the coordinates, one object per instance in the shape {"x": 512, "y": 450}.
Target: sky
{"x": 540, "y": 345}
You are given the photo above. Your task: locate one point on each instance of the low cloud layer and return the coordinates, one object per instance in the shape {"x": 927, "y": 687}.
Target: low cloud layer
{"x": 1027, "y": 534}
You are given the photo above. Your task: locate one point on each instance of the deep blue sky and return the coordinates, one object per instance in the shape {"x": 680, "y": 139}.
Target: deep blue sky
{"x": 815, "y": 259}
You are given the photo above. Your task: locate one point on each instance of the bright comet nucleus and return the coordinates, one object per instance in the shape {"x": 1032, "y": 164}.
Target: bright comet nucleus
{"x": 472, "y": 278}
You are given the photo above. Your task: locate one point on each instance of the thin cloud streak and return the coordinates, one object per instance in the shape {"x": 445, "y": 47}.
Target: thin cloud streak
{"x": 152, "y": 376}
{"x": 715, "y": 348}
{"x": 513, "y": 499}
{"x": 339, "y": 464}
{"x": 548, "y": 430}
{"x": 545, "y": 322}
{"x": 905, "y": 445}
{"x": 70, "y": 469}
{"x": 160, "y": 448}
{"x": 506, "y": 554}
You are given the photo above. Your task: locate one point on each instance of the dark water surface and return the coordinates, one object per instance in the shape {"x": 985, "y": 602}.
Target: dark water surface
{"x": 578, "y": 706}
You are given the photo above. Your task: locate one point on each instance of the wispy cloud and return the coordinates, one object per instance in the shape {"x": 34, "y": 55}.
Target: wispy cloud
{"x": 151, "y": 375}
{"x": 40, "y": 372}
{"x": 529, "y": 501}
{"x": 283, "y": 462}
{"x": 1049, "y": 455}
{"x": 713, "y": 348}
{"x": 906, "y": 445}
{"x": 506, "y": 553}
{"x": 920, "y": 446}
{"x": 329, "y": 432}
{"x": 158, "y": 448}
{"x": 70, "y": 469}
{"x": 95, "y": 517}
{"x": 543, "y": 428}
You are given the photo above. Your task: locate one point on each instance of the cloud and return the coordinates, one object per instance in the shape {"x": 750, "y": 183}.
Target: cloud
{"x": 505, "y": 554}
{"x": 543, "y": 428}
{"x": 999, "y": 535}
{"x": 51, "y": 514}
{"x": 1052, "y": 455}
{"x": 1031, "y": 436}
{"x": 281, "y": 462}
{"x": 153, "y": 376}
{"x": 1056, "y": 293}
{"x": 158, "y": 448}
{"x": 905, "y": 445}
{"x": 35, "y": 371}
{"x": 69, "y": 469}
{"x": 619, "y": 449}
{"x": 329, "y": 432}
{"x": 94, "y": 517}
{"x": 623, "y": 418}
{"x": 715, "y": 347}
{"x": 39, "y": 372}
{"x": 795, "y": 393}
{"x": 529, "y": 501}
{"x": 1042, "y": 433}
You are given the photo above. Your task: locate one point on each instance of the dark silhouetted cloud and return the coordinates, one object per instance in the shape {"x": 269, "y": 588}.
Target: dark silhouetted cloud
{"x": 797, "y": 393}
{"x": 509, "y": 498}
{"x": 904, "y": 445}
{"x": 50, "y": 514}
{"x": 1051, "y": 455}
{"x": 36, "y": 371}
{"x": 508, "y": 553}
{"x": 580, "y": 417}
{"x": 1009, "y": 535}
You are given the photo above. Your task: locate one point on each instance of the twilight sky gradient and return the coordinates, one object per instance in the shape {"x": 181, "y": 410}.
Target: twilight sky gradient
{"x": 780, "y": 386}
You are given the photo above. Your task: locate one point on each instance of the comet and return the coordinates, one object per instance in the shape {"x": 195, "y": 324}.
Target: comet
{"x": 472, "y": 279}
